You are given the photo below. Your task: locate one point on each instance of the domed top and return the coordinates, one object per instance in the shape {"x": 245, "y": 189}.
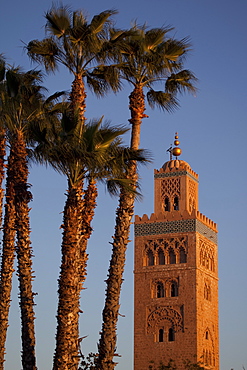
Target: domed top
{"x": 175, "y": 164}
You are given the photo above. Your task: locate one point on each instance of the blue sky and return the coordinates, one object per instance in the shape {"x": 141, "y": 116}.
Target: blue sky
{"x": 213, "y": 134}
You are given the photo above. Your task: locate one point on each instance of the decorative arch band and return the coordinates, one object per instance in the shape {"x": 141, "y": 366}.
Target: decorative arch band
{"x": 164, "y": 313}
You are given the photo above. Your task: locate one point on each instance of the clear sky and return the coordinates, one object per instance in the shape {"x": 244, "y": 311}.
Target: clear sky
{"x": 213, "y": 134}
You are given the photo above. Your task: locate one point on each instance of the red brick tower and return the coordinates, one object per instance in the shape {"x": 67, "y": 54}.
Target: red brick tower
{"x": 176, "y": 275}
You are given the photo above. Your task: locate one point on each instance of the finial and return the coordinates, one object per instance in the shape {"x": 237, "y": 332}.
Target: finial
{"x": 176, "y": 151}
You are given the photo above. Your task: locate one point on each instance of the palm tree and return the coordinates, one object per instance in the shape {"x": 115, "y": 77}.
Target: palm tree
{"x": 22, "y": 105}
{"x": 148, "y": 58}
{"x": 81, "y": 152}
{"x": 79, "y": 46}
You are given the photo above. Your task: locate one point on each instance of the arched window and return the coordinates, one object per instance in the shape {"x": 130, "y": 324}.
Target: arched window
{"x": 171, "y": 335}
{"x": 174, "y": 289}
{"x": 182, "y": 255}
{"x": 150, "y": 258}
{"x": 159, "y": 290}
{"x": 167, "y": 204}
{"x": 161, "y": 335}
{"x": 172, "y": 256}
{"x": 207, "y": 292}
{"x": 161, "y": 257}
{"x": 176, "y": 204}
{"x": 212, "y": 264}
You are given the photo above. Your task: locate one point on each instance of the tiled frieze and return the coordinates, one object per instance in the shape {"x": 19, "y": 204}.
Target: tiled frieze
{"x": 181, "y": 226}
{"x": 175, "y": 174}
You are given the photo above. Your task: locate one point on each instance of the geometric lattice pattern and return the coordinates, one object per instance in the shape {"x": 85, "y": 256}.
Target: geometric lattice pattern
{"x": 157, "y": 228}
{"x": 192, "y": 189}
{"x": 170, "y": 187}
{"x": 192, "y": 195}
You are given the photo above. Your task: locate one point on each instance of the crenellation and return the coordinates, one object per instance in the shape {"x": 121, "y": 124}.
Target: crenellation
{"x": 207, "y": 221}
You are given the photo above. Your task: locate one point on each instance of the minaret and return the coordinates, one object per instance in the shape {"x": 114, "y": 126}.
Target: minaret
{"x": 176, "y": 274}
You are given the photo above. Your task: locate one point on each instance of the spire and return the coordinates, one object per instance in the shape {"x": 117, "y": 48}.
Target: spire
{"x": 176, "y": 151}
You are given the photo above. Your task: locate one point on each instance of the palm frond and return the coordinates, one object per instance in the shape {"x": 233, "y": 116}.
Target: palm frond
{"x": 105, "y": 78}
{"x": 114, "y": 186}
{"x": 79, "y": 19}
{"x": 58, "y": 20}
{"x": 163, "y": 100}
{"x": 56, "y": 96}
{"x": 154, "y": 37}
{"x": 100, "y": 21}
{"x": 13, "y": 83}
{"x": 183, "y": 81}
{"x": 2, "y": 67}
{"x": 44, "y": 52}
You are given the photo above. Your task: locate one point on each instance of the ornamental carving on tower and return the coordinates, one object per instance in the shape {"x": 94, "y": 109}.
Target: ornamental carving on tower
{"x": 207, "y": 255}
{"x": 161, "y": 313}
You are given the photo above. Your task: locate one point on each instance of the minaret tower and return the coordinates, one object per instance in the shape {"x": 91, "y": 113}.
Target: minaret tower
{"x": 176, "y": 275}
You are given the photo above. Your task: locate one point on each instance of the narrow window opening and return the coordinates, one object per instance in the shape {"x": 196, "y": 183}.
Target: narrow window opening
{"x": 150, "y": 258}
{"x": 206, "y": 335}
{"x": 172, "y": 256}
{"x": 171, "y": 335}
{"x": 160, "y": 290}
{"x": 161, "y": 257}
{"x": 161, "y": 335}
{"x": 167, "y": 204}
{"x": 174, "y": 290}
{"x": 209, "y": 294}
{"x": 182, "y": 255}
{"x": 176, "y": 204}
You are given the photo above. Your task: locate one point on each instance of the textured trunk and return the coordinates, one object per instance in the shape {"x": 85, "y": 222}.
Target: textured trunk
{"x": 24, "y": 255}
{"x": 108, "y": 339}
{"x": 2, "y": 166}
{"x": 87, "y": 216}
{"x": 67, "y": 337}
{"x": 78, "y": 98}
{"x": 8, "y": 253}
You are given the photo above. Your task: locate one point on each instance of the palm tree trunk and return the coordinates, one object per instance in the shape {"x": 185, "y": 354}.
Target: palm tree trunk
{"x": 67, "y": 337}
{"x": 78, "y": 98}
{"x": 2, "y": 159}
{"x": 108, "y": 339}
{"x": 8, "y": 254}
{"x": 24, "y": 255}
{"x": 89, "y": 205}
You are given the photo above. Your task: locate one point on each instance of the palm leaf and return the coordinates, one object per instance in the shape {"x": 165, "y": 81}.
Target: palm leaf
{"x": 163, "y": 100}
{"x": 154, "y": 37}
{"x": 58, "y": 20}
{"x": 100, "y": 21}
{"x": 2, "y": 67}
{"x": 182, "y": 81}
{"x": 45, "y": 52}
{"x": 105, "y": 78}
{"x": 13, "y": 83}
